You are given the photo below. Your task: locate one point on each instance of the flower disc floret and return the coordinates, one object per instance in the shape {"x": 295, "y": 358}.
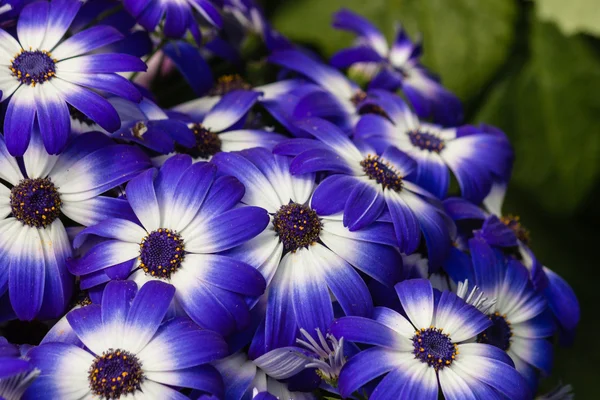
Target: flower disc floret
{"x": 207, "y": 145}
{"x": 382, "y": 172}
{"x": 33, "y": 67}
{"x": 426, "y": 141}
{"x": 114, "y": 374}
{"x": 499, "y": 334}
{"x": 161, "y": 253}
{"x": 434, "y": 347}
{"x": 35, "y": 202}
{"x": 297, "y": 226}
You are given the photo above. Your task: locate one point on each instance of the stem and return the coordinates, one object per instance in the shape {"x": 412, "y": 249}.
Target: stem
{"x": 158, "y": 48}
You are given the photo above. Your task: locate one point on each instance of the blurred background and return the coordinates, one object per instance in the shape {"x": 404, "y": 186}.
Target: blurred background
{"x": 531, "y": 68}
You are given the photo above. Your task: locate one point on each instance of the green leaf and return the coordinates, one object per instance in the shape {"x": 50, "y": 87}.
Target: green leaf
{"x": 571, "y": 16}
{"x": 465, "y": 41}
{"x": 551, "y": 112}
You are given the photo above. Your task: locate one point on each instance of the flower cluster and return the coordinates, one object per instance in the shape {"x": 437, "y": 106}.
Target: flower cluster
{"x": 173, "y": 226}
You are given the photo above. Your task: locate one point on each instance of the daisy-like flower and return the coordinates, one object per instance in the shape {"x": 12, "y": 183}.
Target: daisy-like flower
{"x": 41, "y": 187}
{"x": 520, "y": 323}
{"x": 129, "y": 352}
{"x": 395, "y": 67}
{"x": 508, "y": 233}
{"x": 179, "y": 16}
{"x": 334, "y": 97}
{"x": 187, "y": 216}
{"x": 16, "y": 372}
{"x": 40, "y": 76}
{"x": 476, "y": 158}
{"x": 366, "y": 183}
{"x": 427, "y": 350}
{"x": 306, "y": 256}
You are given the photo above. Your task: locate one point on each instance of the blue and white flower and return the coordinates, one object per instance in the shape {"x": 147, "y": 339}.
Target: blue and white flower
{"x": 16, "y": 372}
{"x": 476, "y": 158}
{"x": 365, "y": 183}
{"x": 395, "y": 67}
{"x": 41, "y": 187}
{"x": 187, "y": 217}
{"x": 42, "y": 76}
{"x": 129, "y": 350}
{"x": 428, "y": 350}
{"x": 521, "y": 324}
{"x": 304, "y": 255}
{"x": 179, "y": 16}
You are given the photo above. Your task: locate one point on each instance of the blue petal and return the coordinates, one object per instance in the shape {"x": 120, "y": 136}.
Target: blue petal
{"x": 350, "y": 21}
{"x": 26, "y": 274}
{"x": 280, "y": 320}
{"x": 461, "y": 320}
{"x": 432, "y": 175}
{"x": 18, "y": 120}
{"x": 346, "y": 57}
{"x": 562, "y": 300}
{"x": 368, "y": 331}
{"x": 31, "y": 27}
{"x": 192, "y": 65}
{"x": 189, "y": 195}
{"x": 103, "y": 63}
{"x": 231, "y": 275}
{"x": 416, "y": 297}
{"x": 179, "y": 343}
{"x": 227, "y": 230}
{"x": 319, "y": 160}
{"x": 416, "y": 381}
{"x": 86, "y": 41}
{"x": 405, "y": 223}
{"x": 355, "y": 374}
{"x": 142, "y": 197}
{"x": 116, "y": 299}
{"x": 60, "y": 16}
{"x": 344, "y": 282}
{"x": 364, "y": 205}
{"x": 230, "y": 109}
{"x": 328, "y": 198}
{"x": 329, "y": 78}
{"x": 110, "y": 83}
{"x": 90, "y": 104}
{"x": 311, "y": 301}
{"x": 206, "y": 309}
{"x": 459, "y": 208}
{"x": 176, "y": 19}
{"x": 203, "y": 377}
{"x": 53, "y": 118}
{"x": 381, "y": 262}
{"x": 145, "y": 320}
{"x": 496, "y": 233}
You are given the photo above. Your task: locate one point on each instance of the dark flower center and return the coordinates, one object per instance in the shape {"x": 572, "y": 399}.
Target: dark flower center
{"x": 207, "y": 143}
{"x": 382, "y": 172}
{"x": 229, "y": 83}
{"x": 161, "y": 253}
{"x": 35, "y": 202}
{"x": 114, "y": 374}
{"x": 426, "y": 141}
{"x": 33, "y": 67}
{"x": 433, "y": 347}
{"x": 514, "y": 223}
{"x": 499, "y": 334}
{"x": 79, "y": 116}
{"x": 297, "y": 226}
